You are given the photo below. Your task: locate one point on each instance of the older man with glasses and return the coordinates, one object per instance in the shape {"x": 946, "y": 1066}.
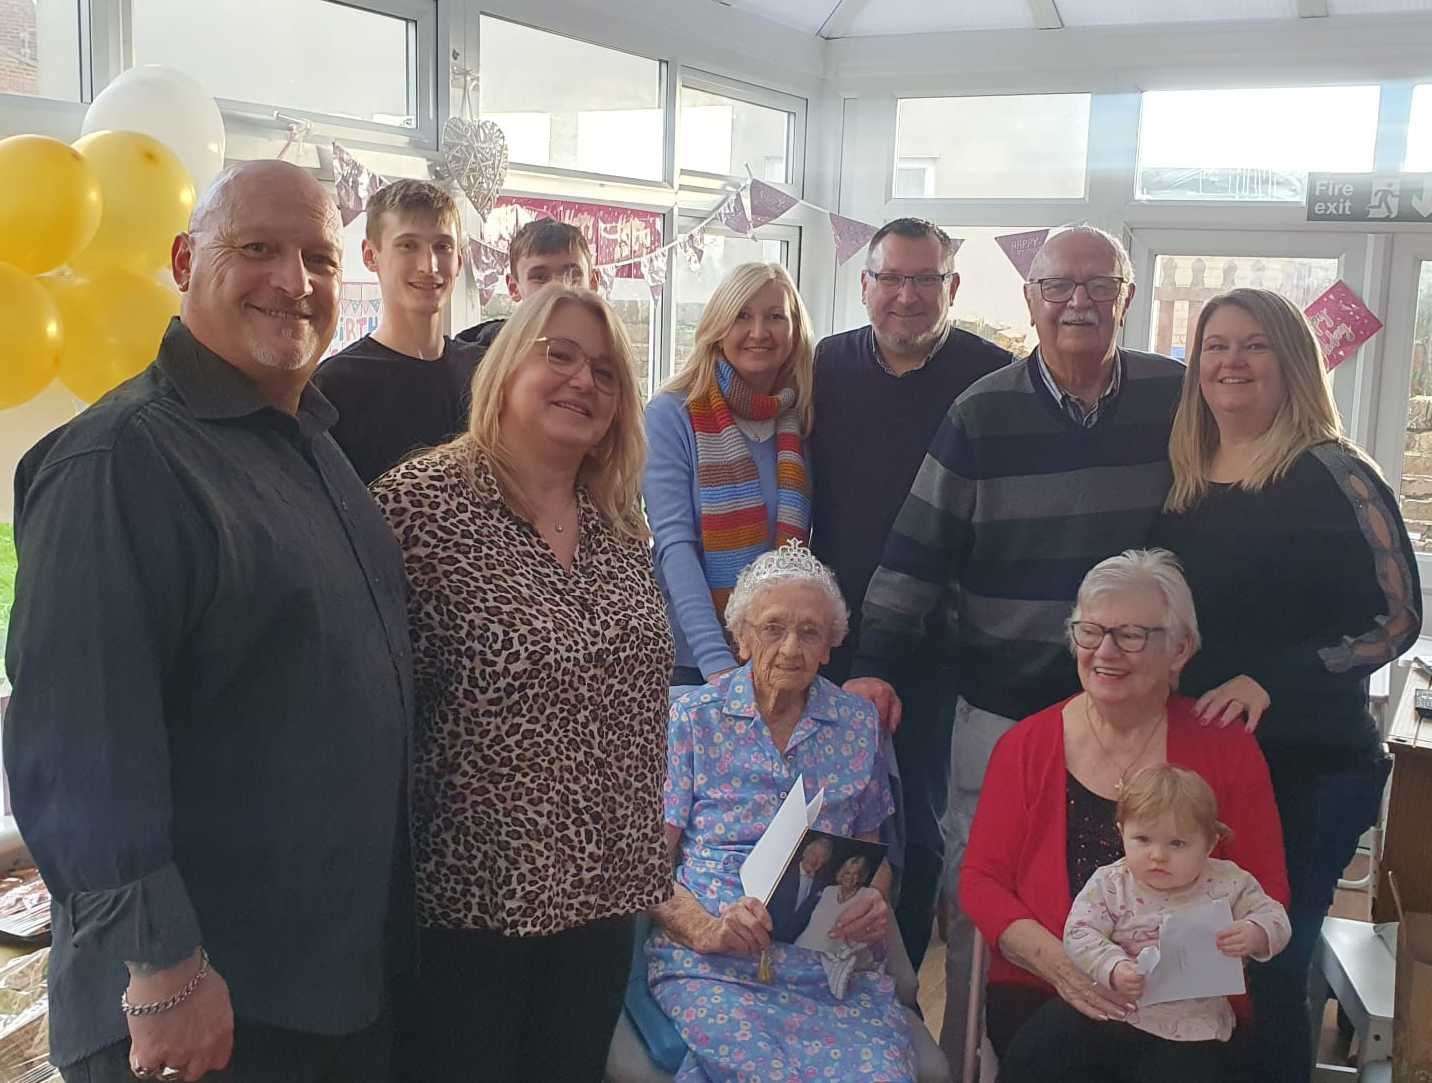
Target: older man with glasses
{"x": 1037, "y": 473}
{"x": 881, "y": 391}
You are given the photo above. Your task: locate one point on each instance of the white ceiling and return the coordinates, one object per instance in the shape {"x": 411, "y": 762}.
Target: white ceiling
{"x": 860, "y": 18}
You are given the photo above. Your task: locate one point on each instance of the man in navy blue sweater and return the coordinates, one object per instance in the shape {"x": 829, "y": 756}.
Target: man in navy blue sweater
{"x": 881, "y": 391}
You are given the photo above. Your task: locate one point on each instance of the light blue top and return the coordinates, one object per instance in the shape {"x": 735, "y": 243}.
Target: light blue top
{"x": 673, "y": 508}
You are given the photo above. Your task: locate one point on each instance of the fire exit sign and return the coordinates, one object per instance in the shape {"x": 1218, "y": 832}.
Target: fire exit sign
{"x": 1369, "y": 197}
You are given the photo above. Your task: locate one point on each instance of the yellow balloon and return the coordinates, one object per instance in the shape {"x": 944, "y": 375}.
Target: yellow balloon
{"x": 49, "y": 202}
{"x": 30, "y": 337}
{"x": 113, "y": 322}
{"x": 148, "y": 197}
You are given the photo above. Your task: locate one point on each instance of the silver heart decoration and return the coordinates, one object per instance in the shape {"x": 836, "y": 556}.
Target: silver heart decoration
{"x": 475, "y": 156}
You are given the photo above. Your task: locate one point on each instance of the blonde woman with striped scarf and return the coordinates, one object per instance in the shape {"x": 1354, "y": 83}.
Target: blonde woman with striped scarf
{"x": 726, "y": 476}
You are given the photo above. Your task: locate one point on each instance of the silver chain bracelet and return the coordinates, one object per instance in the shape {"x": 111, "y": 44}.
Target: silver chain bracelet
{"x": 158, "y": 1007}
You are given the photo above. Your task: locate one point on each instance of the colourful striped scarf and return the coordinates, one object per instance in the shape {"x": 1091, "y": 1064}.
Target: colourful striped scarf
{"x": 733, "y": 510}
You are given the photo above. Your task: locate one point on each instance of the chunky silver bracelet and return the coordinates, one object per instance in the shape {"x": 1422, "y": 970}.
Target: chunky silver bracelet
{"x": 158, "y": 1007}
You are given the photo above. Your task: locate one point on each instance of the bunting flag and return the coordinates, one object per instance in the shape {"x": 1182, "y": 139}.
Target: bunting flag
{"x": 1341, "y": 322}
{"x": 353, "y": 183}
{"x": 653, "y": 269}
{"x": 694, "y": 246}
{"x": 488, "y": 267}
{"x": 606, "y": 278}
{"x": 850, "y": 236}
{"x": 1021, "y": 248}
{"x": 768, "y": 203}
{"x": 958, "y": 242}
{"x": 732, "y": 215}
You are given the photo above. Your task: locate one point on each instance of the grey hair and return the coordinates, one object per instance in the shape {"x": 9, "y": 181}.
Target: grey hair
{"x": 1123, "y": 265}
{"x": 790, "y": 563}
{"x": 1144, "y": 569}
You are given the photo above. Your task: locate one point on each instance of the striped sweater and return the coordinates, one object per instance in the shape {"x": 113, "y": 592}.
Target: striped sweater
{"x": 1013, "y": 504}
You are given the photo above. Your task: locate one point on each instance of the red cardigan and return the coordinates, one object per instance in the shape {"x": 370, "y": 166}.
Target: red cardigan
{"x": 1016, "y": 863}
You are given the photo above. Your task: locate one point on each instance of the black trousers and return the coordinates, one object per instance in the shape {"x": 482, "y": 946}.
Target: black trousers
{"x": 487, "y": 1007}
{"x": 264, "y": 1054}
{"x": 922, "y": 749}
{"x": 1059, "y": 1045}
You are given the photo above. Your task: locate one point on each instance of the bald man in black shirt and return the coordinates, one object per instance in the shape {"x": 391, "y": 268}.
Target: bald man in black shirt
{"x": 210, "y": 728}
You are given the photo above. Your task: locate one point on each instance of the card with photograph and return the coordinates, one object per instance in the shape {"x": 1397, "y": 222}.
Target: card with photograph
{"x": 823, "y": 876}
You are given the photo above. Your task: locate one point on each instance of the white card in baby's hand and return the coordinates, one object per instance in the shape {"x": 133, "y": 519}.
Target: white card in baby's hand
{"x": 1187, "y": 962}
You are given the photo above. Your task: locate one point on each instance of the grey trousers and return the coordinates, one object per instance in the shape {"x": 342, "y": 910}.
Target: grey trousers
{"x": 971, "y": 744}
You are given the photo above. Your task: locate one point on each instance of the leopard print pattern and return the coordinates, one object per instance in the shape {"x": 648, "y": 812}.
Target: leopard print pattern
{"x": 542, "y": 703}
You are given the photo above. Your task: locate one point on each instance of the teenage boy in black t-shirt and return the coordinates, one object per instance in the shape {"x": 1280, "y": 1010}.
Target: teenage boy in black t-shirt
{"x": 406, "y": 386}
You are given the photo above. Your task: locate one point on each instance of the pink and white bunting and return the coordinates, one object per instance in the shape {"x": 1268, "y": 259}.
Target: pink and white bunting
{"x": 488, "y": 266}
{"x": 353, "y": 183}
{"x": 653, "y": 269}
{"x": 694, "y": 247}
{"x": 768, "y": 203}
{"x": 732, "y": 215}
{"x": 1021, "y": 248}
{"x": 850, "y": 236}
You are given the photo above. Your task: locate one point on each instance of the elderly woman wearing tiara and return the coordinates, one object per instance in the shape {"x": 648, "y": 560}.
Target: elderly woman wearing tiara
{"x": 748, "y": 1007}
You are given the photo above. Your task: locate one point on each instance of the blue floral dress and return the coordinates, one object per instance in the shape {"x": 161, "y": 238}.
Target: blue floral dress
{"x": 725, "y": 781}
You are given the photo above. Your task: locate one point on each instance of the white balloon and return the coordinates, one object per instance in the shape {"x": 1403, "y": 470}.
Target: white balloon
{"x": 170, "y": 106}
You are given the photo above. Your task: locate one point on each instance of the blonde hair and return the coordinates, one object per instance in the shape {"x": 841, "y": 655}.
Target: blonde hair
{"x": 1166, "y": 788}
{"x": 1307, "y": 417}
{"x": 611, "y": 471}
{"x": 698, "y": 376}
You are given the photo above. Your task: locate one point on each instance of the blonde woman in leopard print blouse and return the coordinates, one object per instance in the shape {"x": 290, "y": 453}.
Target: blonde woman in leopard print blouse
{"x": 542, "y": 654}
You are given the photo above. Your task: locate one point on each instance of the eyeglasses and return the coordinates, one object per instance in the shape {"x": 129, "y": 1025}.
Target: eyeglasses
{"x": 566, "y": 357}
{"x": 1129, "y": 638}
{"x": 891, "y": 282}
{"x": 1099, "y": 288}
{"x": 807, "y": 635}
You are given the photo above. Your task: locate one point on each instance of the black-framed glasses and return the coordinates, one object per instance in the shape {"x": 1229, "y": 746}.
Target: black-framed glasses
{"x": 1129, "y": 638}
{"x": 567, "y": 357}
{"x": 1099, "y": 288}
{"x": 925, "y": 283}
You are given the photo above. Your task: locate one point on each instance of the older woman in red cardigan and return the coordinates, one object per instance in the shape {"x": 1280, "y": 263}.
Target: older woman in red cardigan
{"x": 1045, "y": 820}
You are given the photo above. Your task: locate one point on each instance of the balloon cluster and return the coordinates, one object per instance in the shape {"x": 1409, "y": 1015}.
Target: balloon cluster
{"x": 86, "y": 231}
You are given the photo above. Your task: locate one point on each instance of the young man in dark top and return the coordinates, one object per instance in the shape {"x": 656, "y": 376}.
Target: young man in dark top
{"x": 881, "y": 391}
{"x": 541, "y": 252}
{"x": 405, "y": 387}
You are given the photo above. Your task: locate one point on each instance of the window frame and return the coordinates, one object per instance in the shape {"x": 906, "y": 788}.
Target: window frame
{"x": 25, "y": 113}
{"x": 666, "y": 95}
{"x": 1223, "y": 206}
{"x": 429, "y": 23}
{"x": 894, "y": 156}
{"x": 1389, "y": 446}
{"x": 796, "y": 132}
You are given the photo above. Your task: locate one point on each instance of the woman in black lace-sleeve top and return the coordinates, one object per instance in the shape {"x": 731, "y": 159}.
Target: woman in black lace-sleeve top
{"x": 1305, "y": 584}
